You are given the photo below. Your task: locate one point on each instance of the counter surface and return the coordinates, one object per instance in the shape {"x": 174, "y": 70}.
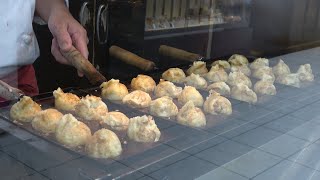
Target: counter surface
{"x": 275, "y": 140}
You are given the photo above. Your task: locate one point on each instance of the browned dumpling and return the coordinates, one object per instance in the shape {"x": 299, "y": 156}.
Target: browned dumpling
{"x": 238, "y": 60}
{"x": 137, "y": 99}
{"x": 191, "y": 115}
{"x": 46, "y": 121}
{"x": 222, "y": 64}
{"x": 238, "y": 78}
{"x": 72, "y": 132}
{"x": 217, "y": 105}
{"x": 167, "y": 88}
{"x": 104, "y": 144}
{"x": 220, "y": 87}
{"x": 175, "y": 75}
{"x": 281, "y": 69}
{"x": 289, "y": 80}
{"x": 305, "y": 73}
{"x": 190, "y": 93}
{"x": 144, "y": 83}
{"x": 24, "y": 110}
{"x": 143, "y": 129}
{"x": 196, "y": 81}
{"x": 242, "y": 92}
{"x": 65, "y": 101}
{"x": 113, "y": 90}
{"x": 163, "y": 107}
{"x": 115, "y": 120}
{"x": 216, "y": 74}
{"x": 259, "y": 63}
{"x": 265, "y": 73}
{"x": 91, "y": 108}
{"x": 242, "y": 68}
{"x": 265, "y": 88}
{"x": 198, "y": 67}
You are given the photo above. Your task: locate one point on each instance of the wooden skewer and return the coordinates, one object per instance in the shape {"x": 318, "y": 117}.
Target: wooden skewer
{"x": 83, "y": 65}
{"x": 179, "y": 53}
{"x": 131, "y": 59}
{"x": 8, "y": 92}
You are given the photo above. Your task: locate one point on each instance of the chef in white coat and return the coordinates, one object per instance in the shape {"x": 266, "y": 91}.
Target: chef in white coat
{"x": 19, "y": 46}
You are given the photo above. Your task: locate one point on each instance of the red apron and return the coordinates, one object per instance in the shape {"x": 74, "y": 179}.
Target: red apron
{"x": 24, "y": 79}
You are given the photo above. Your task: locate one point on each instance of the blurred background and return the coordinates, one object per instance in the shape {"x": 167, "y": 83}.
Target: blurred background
{"x": 214, "y": 29}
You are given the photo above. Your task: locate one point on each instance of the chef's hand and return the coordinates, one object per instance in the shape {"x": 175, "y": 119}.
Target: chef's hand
{"x": 67, "y": 32}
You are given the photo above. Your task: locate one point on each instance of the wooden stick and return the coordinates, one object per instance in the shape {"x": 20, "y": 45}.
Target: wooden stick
{"x": 8, "y": 92}
{"x": 131, "y": 59}
{"x": 178, "y": 53}
{"x": 83, "y": 65}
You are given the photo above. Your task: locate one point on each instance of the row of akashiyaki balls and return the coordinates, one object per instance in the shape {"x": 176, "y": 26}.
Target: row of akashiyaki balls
{"x": 73, "y": 133}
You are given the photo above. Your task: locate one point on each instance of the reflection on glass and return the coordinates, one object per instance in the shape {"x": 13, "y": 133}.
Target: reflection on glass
{"x": 170, "y": 14}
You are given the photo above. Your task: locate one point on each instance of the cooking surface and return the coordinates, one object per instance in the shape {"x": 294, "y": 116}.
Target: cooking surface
{"x": 276, "y": 139}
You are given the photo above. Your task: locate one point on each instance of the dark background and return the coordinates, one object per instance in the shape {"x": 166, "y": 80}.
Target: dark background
{"x": 274, "y": 27}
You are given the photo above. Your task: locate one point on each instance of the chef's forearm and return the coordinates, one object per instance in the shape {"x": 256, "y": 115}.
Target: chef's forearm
{"x": 47, "y": 8}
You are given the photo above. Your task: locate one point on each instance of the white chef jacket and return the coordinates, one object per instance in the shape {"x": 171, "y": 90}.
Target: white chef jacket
{"x": 18, "y": 43}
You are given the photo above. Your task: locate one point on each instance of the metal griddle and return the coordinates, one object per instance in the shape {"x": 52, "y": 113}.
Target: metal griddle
{"x": 167, "y": 126}
{"x": 130, "y": 148}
